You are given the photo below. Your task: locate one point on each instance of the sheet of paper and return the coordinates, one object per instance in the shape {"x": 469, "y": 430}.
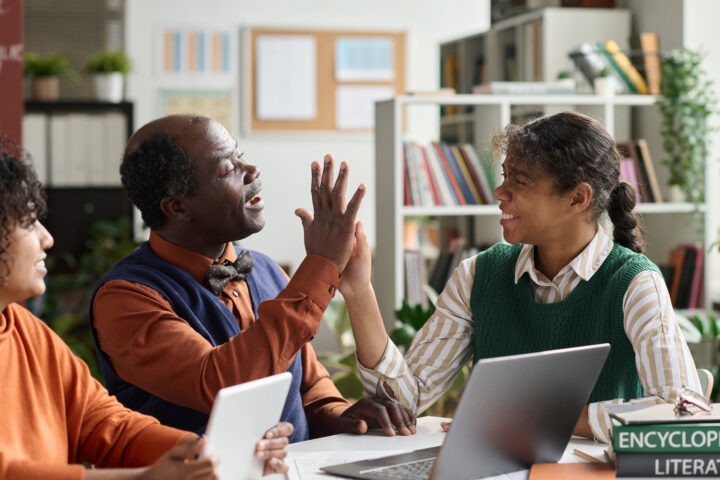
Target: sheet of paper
{"x": 355, "y": 105}
{"x": 364, "y": 59}
{"x": 285, "y": 77}
{"x": 306, "y": 466}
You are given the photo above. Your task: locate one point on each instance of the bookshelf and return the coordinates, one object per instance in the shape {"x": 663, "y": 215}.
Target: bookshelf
{"x": 77, "y": 147}
{"x": 532, "y": 46}
{"x": 491, "y": 112}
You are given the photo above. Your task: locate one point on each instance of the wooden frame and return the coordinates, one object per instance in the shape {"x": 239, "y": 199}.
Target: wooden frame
{"x": 326, "y": 84}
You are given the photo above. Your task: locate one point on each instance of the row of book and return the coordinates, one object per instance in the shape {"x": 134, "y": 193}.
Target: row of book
{"x": 591, "y": 58}
{"x": 653, "y": 442}
{"x": 637, "y": 170}
{"x": 445, "y": 174}
{"x": 684, "y": 275}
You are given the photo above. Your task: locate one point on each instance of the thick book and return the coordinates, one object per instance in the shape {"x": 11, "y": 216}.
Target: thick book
{"x": 660, "y": 413}
{"x": 629, "y": 149}
{"x": 643, "y": 152}
{"x": 677, "y": 260}
{"x": 646, "y": 48}
{"x": 667, "y": 465}
{"x": 628, "y": 174}
{"x": 666, "y": 437}
{"x": 686, "y": 277}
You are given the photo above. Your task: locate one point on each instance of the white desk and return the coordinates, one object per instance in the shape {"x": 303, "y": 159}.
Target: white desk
{"x": 338, "y": 448}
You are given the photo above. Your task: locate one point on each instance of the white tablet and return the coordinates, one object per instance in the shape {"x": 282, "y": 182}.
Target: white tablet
{"x": 240, "y": 416}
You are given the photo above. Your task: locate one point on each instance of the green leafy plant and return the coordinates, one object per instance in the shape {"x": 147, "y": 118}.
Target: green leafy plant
{"x": 564, "y": 74}
{"x": 36, "y": 65}
{"x": 65, "y": 306}
{"x": 108, "y": 61}
{"x": 686, "y": 104}
{"x": 604, "y": 72}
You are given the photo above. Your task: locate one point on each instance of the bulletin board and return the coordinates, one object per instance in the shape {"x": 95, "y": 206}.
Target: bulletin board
{"x": 320, "y": 80}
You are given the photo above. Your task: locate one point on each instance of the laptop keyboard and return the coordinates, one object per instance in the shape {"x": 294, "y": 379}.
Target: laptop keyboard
{"x": 419, "y": 470}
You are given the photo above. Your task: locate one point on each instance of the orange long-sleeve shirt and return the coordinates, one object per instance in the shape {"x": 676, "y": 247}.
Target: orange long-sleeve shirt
{"x": 55, "y": 416}
{"x": 150, "y": 346}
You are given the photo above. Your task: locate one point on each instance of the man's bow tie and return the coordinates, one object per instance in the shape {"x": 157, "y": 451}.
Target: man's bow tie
{"x": 219, "y": 274}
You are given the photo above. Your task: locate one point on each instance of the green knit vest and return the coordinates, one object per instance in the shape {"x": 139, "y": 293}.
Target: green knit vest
{"x": 509, "y": 321}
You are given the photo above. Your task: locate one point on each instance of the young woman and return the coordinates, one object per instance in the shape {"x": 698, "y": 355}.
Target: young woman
{"x": 56, "y": 417}
{"x": 560, "y": 281}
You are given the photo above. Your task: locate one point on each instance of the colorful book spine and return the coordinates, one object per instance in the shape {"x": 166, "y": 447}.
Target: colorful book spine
{"x": 457, "y": 173}
{"x": 703, "y": 437}
{"x": 475, "y": 193}
{"x": 482, "y": 170}
{"x": 449, "y": 175}
{"x": 667, "y": 465}
{"x": 447, "y": 196}
{"x": 626, "y": 66}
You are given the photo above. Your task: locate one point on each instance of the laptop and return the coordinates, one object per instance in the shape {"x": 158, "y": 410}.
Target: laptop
{"x": 240, "y": 416}
{"x": 515, "y": 411}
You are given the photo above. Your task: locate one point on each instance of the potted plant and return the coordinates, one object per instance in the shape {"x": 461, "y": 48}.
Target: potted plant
{"x": 565, "y": 77}
{"x": 44, "y": 72}
{"x": 686, "y": 104}
{"x": 604, "y": 83}
{"x": 108, "y": 69}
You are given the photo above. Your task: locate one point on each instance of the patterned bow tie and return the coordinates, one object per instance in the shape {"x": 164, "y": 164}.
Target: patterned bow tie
{"x": 218, "y": 275}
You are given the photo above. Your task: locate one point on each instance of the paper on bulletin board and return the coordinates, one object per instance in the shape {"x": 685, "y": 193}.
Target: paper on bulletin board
{"x": 364, "y": 59}
{"x": 285, "y": 82}
{"x": 355, "y": 105}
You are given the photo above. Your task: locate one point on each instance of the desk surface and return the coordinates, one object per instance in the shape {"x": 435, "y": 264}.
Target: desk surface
{"x": 304, "y": 457}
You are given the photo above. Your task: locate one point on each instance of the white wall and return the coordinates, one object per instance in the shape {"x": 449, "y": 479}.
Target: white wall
{"x": 285, "y": 158}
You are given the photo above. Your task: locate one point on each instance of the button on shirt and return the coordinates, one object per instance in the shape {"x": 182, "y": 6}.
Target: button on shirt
{"x": 445, "y": 344}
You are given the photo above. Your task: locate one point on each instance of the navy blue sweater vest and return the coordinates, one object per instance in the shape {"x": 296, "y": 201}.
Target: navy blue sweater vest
{"x": 205, "y": 313}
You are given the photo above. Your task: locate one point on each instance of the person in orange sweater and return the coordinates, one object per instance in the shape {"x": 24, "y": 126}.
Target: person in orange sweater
{"x": 56, "y": 418}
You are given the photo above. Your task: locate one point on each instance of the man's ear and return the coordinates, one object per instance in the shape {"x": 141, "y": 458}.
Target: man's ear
{"x": 174, "y": 209}
{"x": 581, "y": 196}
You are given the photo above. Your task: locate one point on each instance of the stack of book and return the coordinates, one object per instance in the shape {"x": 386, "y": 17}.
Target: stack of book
{"x": 653, "y": 442}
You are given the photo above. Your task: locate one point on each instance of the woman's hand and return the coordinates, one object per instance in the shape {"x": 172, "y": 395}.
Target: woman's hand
{"x": 272, "y": 448}
{"x": 356, "y": 275}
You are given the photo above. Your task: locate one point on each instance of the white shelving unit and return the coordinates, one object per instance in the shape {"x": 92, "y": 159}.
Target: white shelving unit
{"x": 490, "y": 112}
{"x": 530, "y": 47}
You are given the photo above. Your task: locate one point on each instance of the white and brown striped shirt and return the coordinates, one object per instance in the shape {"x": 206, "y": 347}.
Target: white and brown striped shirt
{"x": 445, "y": 344}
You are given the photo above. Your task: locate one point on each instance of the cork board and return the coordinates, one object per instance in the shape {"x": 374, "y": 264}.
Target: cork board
{"x": 329, "y": 85}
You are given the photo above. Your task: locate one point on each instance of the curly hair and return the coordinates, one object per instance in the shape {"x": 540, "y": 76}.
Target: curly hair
{"x": 22, "y": 198}
{"x": 156, "y": 169}
{"x": 572, "y": 148}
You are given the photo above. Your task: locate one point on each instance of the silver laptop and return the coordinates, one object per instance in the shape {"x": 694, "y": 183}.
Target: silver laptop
{"x": 240, "y": 417}
{"x": 515, "y": 411}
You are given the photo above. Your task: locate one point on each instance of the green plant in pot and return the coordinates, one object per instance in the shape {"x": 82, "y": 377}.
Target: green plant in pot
{"x": 108, "y": 69}
{"x": 44, "y": 72}
{"x": 686, "y": 103}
